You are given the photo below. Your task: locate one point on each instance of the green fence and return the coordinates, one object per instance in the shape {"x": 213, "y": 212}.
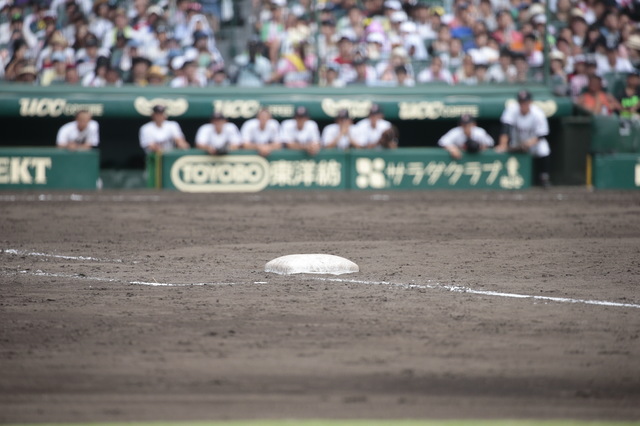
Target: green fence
{"x": 402, "y": 169}
{"x": 50, "y": 168}
{"x": 616, "y": 171}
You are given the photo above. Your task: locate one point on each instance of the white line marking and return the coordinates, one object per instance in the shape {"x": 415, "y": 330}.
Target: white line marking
{"x": 40, "y": 273}
{"x": 436, "y": 286}
{"x": 58, "y": 256}
{"x": 459, "y": 289}
{"x": 79, "y": 198}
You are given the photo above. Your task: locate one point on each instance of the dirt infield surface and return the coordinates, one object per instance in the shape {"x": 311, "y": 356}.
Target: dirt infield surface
{"x": 431, "y": 327}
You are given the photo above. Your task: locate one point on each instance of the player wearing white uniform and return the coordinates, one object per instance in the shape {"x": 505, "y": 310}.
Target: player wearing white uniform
{"x": 340, "y": 134}
{"x": 300, "y": 132}
{"x": 374, "y": 131}
{"x": 160, "y": 134}
{"x": 261, "y": 133}
{"x": 219, "y": 136}
{"x": 525, "y": 129}
{"x": 81, "y": 134}
{"x": 466, "y": 137}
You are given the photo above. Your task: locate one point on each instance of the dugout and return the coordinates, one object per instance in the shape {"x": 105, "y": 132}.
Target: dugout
{"x": 32, "y": 115}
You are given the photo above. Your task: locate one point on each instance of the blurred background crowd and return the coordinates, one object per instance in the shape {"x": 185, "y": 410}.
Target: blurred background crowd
{"x": 296, "y": 43}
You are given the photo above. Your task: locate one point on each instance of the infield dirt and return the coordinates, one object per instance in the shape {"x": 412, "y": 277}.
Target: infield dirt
{"x": 79, "y": 342}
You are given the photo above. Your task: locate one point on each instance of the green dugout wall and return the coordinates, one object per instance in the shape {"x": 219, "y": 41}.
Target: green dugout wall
{"x": 48, "y": 168}
{"x": 401, "y": 169}
{"x": 31, "y": 116}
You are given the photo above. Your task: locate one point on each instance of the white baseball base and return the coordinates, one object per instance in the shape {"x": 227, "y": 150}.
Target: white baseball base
{"x": 311, "y": 264}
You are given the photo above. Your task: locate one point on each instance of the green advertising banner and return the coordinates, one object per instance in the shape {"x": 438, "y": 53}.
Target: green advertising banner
{"x": 398, "y": 103}
{"x": 418, "y": 168}
{"x": 433, "y": 168}
{"x": 48, "y": 168}
{"x": 246, "y": 171}
{"x": 616, "y": 171}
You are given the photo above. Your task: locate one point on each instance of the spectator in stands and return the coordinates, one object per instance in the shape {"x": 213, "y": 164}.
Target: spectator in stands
{"x": 160, "y": 134}
{"x": 466, "y": 74}
{"x": 261, "y": 133}
{"x": 272, "y": 30}
{"x": 633, "y": 48}
{"x": 504, "y": 71}
{"x": 330, "y": 77}
{"x": 251, "y": 69}
{"x": 300, "y": 132}
{"x": 578, "y": 80}
{"x": 220, "y": 78}
{"x": 156, "y": 76}
{"x": 26, "y": 74}
{"x": 596, "y": 100}
{"x": 435, "y": 73}
{"x": 525, "y": 129}
{"x": 612, "y": 62}
{"x": 345, "y": 57}
{"x": 219, "y": 136}
{"x": 507, "y": 33}
{"x": 97, "y": 78}
{"x": 365, "y": 74}
{"x": 79, "y": 135}
{"x": 189, "y": 76}
{"x": 139, "y": 70}
{"x": 341, "y": 134}
{"x": 374, "y": 131}
{"x": 121, "y": 29}
{"x": 403, "y": 79}
{"x": 629, "y": 97}
{"x": 559, "y": 78}
{"x": 17, "y": 60}
{"x": 466, "y": 137}
{"x": 55, "y": 72}
{"x": 297, "y": 68}
{"x": 71, "y": 76}
{"x": 100, "y": 23}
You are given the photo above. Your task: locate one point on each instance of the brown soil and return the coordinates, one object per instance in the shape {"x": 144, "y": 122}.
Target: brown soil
{"x": 79, "y": 342}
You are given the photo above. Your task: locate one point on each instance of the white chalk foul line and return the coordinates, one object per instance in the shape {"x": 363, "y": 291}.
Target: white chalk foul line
{"x": 58, "y": 256}
{"x": 40, "y": 273}
{"x": 459, "y": 289}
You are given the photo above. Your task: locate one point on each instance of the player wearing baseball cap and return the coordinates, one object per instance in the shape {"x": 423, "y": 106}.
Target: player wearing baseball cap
{"x": 340, "y": 134}
{"x": 467, "y": 137}
{"x": 160, "y": 134}
{"x": 218, "y": 136}
{"x": 300, "y": 132}
{"x": 525, "y": 129}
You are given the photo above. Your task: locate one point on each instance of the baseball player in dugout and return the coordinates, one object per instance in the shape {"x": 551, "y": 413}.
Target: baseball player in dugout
{"x": 261, "y": 133}
{"x": 467, "y": 137}
{"x": 340, "y": 134}
{"x": 374, "y": 131}
{"x": 525, "y": 129}
{"x": 219, "y": 136}
{"x": 300, "y": 132}
{"x": 79, "y": 135}
{"x": 160, "y": 134}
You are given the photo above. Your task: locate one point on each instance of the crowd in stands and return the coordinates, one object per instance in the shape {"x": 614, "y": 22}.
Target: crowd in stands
{"x": 337, "y": 43}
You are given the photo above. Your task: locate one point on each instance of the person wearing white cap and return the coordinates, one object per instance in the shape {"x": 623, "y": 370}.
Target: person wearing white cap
{"x": 413, "y": 43}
